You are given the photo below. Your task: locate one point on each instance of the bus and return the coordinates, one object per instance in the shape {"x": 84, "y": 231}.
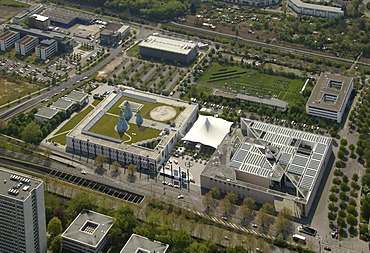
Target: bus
{"x": 299, "y": 238}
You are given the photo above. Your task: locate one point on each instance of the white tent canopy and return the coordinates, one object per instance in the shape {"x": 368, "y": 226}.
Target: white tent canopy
{"x": 208, "y": 130}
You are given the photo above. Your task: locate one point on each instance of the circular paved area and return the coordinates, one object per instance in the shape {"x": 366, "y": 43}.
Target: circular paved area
{"x": 163, "y": 113}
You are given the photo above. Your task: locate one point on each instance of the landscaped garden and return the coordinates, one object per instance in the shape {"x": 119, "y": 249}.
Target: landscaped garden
{"x": 145, "y": 110}
{"x": 251, "y": 81}
{"x": 106, "y": 126}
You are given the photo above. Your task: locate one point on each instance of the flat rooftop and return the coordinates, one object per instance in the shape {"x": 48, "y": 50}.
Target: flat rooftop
{"x": 62, "y": 104}
{"x": 40, "y": 18}
{"x": 266, "y": 101}
{"x": 26, "y": 39}
{"x": 64, "y": 16}
{"x": 181, "y": 118}
{"x": 270, "y": 151}
{"x": 138, "y": 242}
{"x": 317, "y": 7}
{"x": 46, "y": 112}
{"x": 166, "y": 44}
{"x": 7, "y": 34}
{"x": 330, "y": 92}
{"x": 17, "y": 185}
{"x": 76, "y": 95}
{"x": 89, "y": 228}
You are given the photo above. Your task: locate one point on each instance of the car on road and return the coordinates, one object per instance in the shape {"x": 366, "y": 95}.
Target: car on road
{"x": 55, "y": 94}
{"x": 254, "y": 225}
{"x": 83, "y": 172}
{"x": 170, "y": 184}
{"x": 180, "y": 196}
{"x": 176, "y": 186}
{"x": 224, "y": 217}
{"x": 175, "y": 161}
{"x": 164, "y": 182}
{"x": 327, "y": 248}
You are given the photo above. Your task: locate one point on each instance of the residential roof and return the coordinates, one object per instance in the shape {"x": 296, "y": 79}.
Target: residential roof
{"x": 17, "y": 185}
{"x": 330, "y": 92}
{"x": 7, "y": 34}
{"x": 89, "y": 228}
{"x": 62, "y": 104}
{"x": 301, "y": 4}
{"x": 166, "y": 44}
{"x": 26, "y": 39}
{"x": 46, "y": 112}
{"x": 208, "y": 130}
{"x": 76, "y": 96}
{"x": 138, "y": 242}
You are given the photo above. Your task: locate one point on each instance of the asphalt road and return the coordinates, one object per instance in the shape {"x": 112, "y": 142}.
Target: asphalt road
{"x": 29, "y": 103}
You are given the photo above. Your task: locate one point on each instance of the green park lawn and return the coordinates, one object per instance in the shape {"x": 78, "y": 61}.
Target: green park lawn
{"x": 145, "y": 110}
{"x": 96, "y": 102}
{"x": 252, "y": 81}
{"x": 134, "y": 50}
{"x": 106, "y": 126}
{"x": 13, "y": 3}
{"x": 74, "y": 120}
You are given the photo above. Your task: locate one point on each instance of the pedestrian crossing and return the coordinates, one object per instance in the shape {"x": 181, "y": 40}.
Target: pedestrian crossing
{"x": 234, "y": 225}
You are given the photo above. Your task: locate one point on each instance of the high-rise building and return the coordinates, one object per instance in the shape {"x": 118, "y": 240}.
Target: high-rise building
{"x": 22, "y": 213}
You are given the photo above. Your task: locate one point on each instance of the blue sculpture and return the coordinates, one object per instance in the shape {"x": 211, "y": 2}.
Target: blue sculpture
{"x": 139, "y": 119}
{"x": 122, "y": 125}
{"x": 128, "y": 111}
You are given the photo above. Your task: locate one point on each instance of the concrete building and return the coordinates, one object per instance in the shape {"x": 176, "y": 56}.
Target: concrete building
{"x": 63, "y": 105}
{"x": 8, "y": 39}
{"x": 168, "y": 49}
{"x": 66, "y": 18}
{"x": 26, "y": 45}
{"x": 34, "y": 9}
{"x": 77, "y": 97}
{"x": 141, "y": 244}
{"x": 330, "y": 96}
{"x": 314, "y": 9}
{"x": 39, "y": 21}
{"x": 22, "y": 213}
{"x": 88, "y": 233}
{"x": 46, "y": 49}
{"x": 82, "y": 141}
{"x": 65, "y": 43}
{"x": 114, "y": 33}
{"x": 45, "y": 114}
{"x": 271, "y": 164}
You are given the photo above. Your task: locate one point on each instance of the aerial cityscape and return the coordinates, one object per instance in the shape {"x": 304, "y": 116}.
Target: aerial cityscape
{"x": 195, "y": 126}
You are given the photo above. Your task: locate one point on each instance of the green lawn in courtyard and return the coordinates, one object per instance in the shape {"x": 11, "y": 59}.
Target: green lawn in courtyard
{"x": 61, "y": 139}
{"x": 74, "y": 120}
{"x": 96, "y": 102}
{"x": 145, "y": 110}
{"x": 106, "y": 126}
{"x": 252, "y": 82}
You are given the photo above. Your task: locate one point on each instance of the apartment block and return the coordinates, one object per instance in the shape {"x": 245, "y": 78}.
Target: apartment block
{"x": 8, "y": 39}
{"x": 26, "y": 45}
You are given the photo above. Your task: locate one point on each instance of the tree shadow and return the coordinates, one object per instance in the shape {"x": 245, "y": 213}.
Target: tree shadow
{"x": 131, "y": 178}
{"x": 100, "y": 170}
{"x": 115, "y": 173}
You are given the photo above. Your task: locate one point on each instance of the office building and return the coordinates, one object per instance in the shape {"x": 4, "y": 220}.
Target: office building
{"x": 141, "y": 244}
{"x": 77, "y": 97}
{"x": 255, "y": 2}
{"x": 63, "y": 105}
{"x": 315, "y": 9}
{"x": 65, "y": 43}
{"x": 168, "y": 49}
{"x": 88, "y": 233}
{"x": 114, "y": 33}
{"x": 34, "y": 9}
{"x": 46, "y": 49}
{"x": 39, "y": 21}
{"x": 45, "y": 114}
{"x": 330, "y": 97}
{"x": 26, "y": 45}
{"x": 22, "y": 213}
{"x": 8, "y": 39}
{"x": 271, "y": 164}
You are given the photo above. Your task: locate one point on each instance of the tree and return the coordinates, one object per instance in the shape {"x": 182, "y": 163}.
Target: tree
{"x": 56, "y": 245}
{"x": 343, "y": 142}
{"x": 226, "y": 206}
{"x": 116, "y": 165}
{"x": 132, "y": 169}
{"x": 32, "y": 133}
{"x": 351, "y": 220}
{"x": 340, "y": 154}
{"x": 333, "y": 197}
{"x": 208, "y": 201}
{"x": 54, "y": 227}
{"x": 180, "y": 241}
{"x": 246, "y": 209}
{"x": 124, "y": 224}
{"x": 78, "y": 203}
{"x": 339, "y": 164}
{"x": 264, "y": 216}
{"x": 355, "y": 177}
{"x": 283, "y": 222}
{"x": 99, "y": 161}
{"x": 47, "y": 152}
